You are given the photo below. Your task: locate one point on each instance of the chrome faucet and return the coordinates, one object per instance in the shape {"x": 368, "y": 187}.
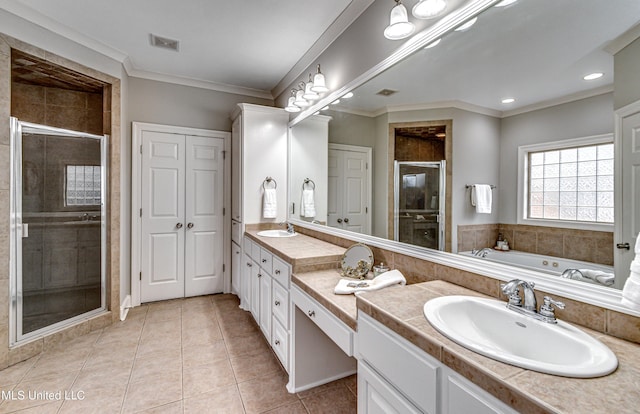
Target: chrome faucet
{"x": 290, "y": 228}
{"x": 572, "y": 274}
{"x": 481, "y": 252}
{"x": 530, "y": 306}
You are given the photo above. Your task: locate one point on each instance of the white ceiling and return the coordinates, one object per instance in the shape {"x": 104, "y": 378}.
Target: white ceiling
{"x": 536, "y": 51}
{"x": 242, "y": 44}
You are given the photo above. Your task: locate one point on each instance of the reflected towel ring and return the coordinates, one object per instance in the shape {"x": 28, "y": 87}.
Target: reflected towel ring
{"x": 267, "y": 181}
{"x": 308, "y": 181}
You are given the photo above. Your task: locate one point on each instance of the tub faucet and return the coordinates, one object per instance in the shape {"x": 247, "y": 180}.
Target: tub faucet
{"x": 572, "y": 274}
{"x": 511, "y": 289}
{"x": 481, "y": 252}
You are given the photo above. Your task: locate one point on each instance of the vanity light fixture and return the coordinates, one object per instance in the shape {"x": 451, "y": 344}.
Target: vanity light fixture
{"x": 347, "y": 95}
{"x": 336, "y": 102}
{"x": 593, "y": 76}
{"x": 309, "y": 94}
{"x": 299, "y": 100}
{"x": 428, "y": 9}
{"x": 399, "y": 25}
{"x": 319, "y": 85}
{"x": 291, "y": 106}
{"x": 508, "y": 100}
{"x": 467, "y": 25}
{"x": 433, "y": 44}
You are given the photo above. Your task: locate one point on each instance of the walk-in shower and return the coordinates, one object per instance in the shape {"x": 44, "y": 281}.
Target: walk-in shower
{"x": 58, "y": 228}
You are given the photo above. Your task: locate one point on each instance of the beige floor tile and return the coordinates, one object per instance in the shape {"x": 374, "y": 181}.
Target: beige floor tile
{"x": 240, "y": 327}
{"x": 143, "y": 395}
{"x": 266, "y": 393}
{"x": 204, "y": 354}
{"x": 159, "y": 344}
{"x": 164, "y": 305}
{"x": 352, "y": 383}
{"x": 337, "y": 401}
{"x": 295, "y": 408}
{"x": 254, "y": 366}
{"x": 171, "y": 408}
{"x": 158, "y": 365}
{"x": 166, "y": 327}
{"x": 199, "y": 322}
{"x": 14, "y": 374}
{"x": 251, "y": 344}
{"x": 98, "y": 399}
{"x": 49, "y": 384}
{"x": 50, "y": 363}
{"x": 162, "y": 315}
{"x": 117, "y": 372}
{"x": 225, "y": 400}
{"x": 49, "y": 408}
{"x": 332, "y": 386}
{"x": 204, "y": 335}
{"x": 205, "y": 378}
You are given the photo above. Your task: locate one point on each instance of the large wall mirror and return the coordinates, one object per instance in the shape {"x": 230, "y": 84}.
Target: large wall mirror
{"x": 502, "y": 106}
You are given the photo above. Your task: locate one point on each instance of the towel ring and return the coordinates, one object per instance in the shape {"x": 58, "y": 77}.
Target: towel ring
{"x": 267, "y": 181}
{"x": 308, "y": 181}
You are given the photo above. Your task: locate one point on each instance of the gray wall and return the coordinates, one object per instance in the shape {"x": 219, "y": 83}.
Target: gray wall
{"x": 626, "y": 69}
{"x": 583, "y": 118}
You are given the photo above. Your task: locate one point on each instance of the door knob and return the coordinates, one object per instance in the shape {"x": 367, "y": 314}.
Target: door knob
{"x": 339, "y": 220}
{"x": 190, "y": 225}
{"x": 346, "y": 220}
{"x": 623, "y": 246}
{"x": 179, "y": 226}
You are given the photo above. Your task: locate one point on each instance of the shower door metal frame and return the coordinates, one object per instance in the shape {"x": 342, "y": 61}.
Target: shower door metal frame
{"x": 18, "y": 127}
{"x": 442, "y": 178}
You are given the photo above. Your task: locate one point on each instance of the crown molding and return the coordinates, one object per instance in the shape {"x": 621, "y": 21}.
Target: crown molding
{"x": 623, "y": 40}
{"x": 559, "y": 101}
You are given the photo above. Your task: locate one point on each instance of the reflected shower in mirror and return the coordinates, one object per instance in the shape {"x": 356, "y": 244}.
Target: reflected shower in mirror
{"x": 512, "y": 86}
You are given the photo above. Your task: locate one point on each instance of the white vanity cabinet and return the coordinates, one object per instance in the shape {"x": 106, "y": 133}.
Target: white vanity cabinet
{"x": 395, "y": 376}
{"x": 265, "y": 290}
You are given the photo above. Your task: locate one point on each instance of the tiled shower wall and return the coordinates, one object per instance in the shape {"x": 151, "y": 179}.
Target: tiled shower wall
{"x": 111, "y": 125}
{"x": 584, "y": 245}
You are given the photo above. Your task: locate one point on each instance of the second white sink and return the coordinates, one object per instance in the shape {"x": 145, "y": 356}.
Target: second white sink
{"x": 487, "y": 327}
{"x": 276, "y": 233}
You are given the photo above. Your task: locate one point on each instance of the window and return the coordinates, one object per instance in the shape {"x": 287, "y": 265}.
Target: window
{"x": 83, "y": 185}
{"x": 570, "y": 183}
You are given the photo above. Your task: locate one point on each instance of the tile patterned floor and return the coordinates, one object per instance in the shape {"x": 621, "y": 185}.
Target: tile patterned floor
{"x": 196, "y": 355}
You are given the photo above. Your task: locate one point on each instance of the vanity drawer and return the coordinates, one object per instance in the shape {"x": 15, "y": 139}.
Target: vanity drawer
{"x": 405, "y": 366}
{"x": 266, "y": 260}
{"x": 335, "y": 329}
{"x": 236, "y": 231}
{"x": 280, "y": 308}
{"x": 281, "y": 271}
{"x": 280, "y": 343}
{"x": 255, "y": 251}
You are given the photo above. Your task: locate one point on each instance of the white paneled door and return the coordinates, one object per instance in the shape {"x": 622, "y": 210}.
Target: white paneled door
{"x": 182, "y": 222}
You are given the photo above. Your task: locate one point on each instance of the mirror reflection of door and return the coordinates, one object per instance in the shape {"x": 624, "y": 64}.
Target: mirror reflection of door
{"x": 349, "y": 188}
{"x": 419, "y": 203}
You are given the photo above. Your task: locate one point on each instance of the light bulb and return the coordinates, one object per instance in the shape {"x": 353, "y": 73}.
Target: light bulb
{"x": 399, "y": 25}
{"x": 291, "y": 106}
{"x": 319, "y": 83}
{"x": 428, "y": 9}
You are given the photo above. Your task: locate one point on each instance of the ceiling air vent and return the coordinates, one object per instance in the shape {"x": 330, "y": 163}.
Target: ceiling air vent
{"x": 164, "y": 42}
{"x": 386, "y": 92}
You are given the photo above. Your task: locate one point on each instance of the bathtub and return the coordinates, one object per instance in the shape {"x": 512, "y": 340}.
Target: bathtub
{"x": 550, "y": 264}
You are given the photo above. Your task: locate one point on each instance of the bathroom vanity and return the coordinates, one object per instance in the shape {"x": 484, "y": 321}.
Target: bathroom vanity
{"x": 404, "y": 365}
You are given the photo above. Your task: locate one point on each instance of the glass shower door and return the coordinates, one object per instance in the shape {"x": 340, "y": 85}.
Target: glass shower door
{"x": 58, "y": 227}
{"x": 419, "y": 203}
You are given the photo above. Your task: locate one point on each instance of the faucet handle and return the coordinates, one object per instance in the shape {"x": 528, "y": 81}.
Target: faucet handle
{"x": 511, "y": 289}
{"x": 547, "y": 309}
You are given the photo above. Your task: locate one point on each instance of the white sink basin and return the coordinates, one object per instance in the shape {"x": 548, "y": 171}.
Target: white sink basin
{"x": 276, "y": 233}
{"x": 487, "y": 327}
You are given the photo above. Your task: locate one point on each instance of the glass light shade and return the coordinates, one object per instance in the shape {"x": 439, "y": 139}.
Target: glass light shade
{"x": 467, "y": 25}
{"x": 319, "y": 85}
{"x": 347, "y": 95}
{"x": 299, "y": 99}
{"x": 309, "y": 94}
{"x": 291, "y": 107}
{"x": 428, "y": 9}
{"x": 433, "y": 44}
{"x": 399, "y": 25}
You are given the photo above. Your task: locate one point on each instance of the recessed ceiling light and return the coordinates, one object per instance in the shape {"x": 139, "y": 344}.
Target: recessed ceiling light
{"x": 508, "y": 100}
{"x": 325, "y": 108}
{"x": 347, "y": 95}
{"x": 433, "y": 44}
{"x": 592, "y": 76}
{"x": 337, "y": 101}
{"x": 467, "y": 25}
{"x": 505, "y": 3}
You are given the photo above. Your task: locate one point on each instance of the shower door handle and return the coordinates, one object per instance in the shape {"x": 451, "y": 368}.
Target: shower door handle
{"x": 25, "y": 230}
{"x": 179, "y": 226}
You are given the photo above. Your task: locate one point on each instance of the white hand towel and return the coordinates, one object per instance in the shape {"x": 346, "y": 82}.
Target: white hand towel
{"x": 269, "y": 203}
{"x": 392, "y": 277}
{"x": 481, "y": 198}
{"x": 631, "y": 289}
{"x": 602, "y": 277}
{"x": 308, "y": 203}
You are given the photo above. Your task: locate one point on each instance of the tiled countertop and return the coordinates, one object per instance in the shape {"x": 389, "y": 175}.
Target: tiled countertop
{"x": 400, "y": 309}
{"x": 526, "y": 391}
